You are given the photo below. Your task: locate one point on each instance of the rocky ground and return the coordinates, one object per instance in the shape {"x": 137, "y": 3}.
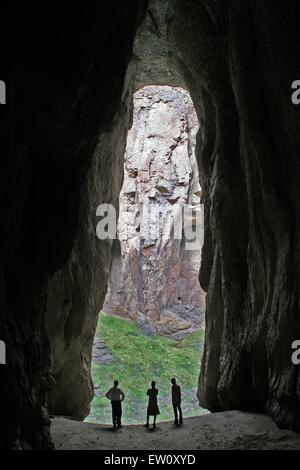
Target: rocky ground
{"x": 233, "y": 430}
{"x": 100, "y": 354}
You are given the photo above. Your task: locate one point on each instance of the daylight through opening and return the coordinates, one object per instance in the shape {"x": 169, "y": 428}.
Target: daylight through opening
{"x": 152, "y": 323}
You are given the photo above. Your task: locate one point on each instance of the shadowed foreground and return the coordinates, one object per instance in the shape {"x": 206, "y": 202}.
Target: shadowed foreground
{"x": 227, "y": 430}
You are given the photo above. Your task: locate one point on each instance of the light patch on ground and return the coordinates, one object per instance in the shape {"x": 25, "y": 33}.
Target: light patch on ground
{"x": 228, "y": 430}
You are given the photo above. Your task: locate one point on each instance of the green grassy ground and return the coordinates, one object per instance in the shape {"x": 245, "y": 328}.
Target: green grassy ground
{"x": 138, "y": 359}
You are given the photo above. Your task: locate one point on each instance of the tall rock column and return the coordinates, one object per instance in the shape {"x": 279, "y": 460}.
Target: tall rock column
{"x": 155, "y": 281}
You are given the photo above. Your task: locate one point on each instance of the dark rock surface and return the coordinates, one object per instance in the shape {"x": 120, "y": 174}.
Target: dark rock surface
{"x": 66, "y": 115}
{"x": 238, "y": 60}
{"x": 63, "y": 91}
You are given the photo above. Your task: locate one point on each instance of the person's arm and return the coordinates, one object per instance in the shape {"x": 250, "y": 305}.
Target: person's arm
{"x": 108, "y": 394}
{"x": 148, "y": 392}
{"x": 122, "y": 395}
{"x": 179, "y": 394}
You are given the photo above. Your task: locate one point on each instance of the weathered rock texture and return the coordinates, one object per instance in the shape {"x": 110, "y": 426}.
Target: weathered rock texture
{"x": 63, "y": 93}
{"x": 154, "y": 277}
{"x": 76, "y": 292}
{"x": 64, "y": 89}
{"x": 238, "y": 60}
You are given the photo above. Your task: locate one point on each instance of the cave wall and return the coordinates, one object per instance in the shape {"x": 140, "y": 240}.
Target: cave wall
{"x": 65, "y": 72}
{"x": 76, "y": 292}
{"x": 237, "y": 59}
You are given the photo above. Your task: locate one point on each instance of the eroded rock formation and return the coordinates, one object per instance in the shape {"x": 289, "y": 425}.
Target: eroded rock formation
{"x": 154, "y": 277}
{"x": 63, "y": 93}
{"x": 64, "y": 89}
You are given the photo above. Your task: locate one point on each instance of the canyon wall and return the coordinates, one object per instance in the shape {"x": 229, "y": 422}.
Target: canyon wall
{"x": 66, "y": 79}
{"x": 239, "y": 59}
{"x": 63, "y": 92}
{"x": 154, "y": 276}
{"x": 229, "y": 56}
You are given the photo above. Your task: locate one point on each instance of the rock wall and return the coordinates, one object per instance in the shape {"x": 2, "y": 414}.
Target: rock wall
{"x": 76, "y": 292}
{"x": 240, "y": 59}
{"x": 63, "y": 91}
{"x": 65, "y": 79}
{"x": 154, "y": 278}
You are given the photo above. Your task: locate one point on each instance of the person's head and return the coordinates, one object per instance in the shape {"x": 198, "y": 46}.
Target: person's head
{"x": 116, "y": 383}
{"x": 153, "y": 384}
{"x": 173, "y": 381}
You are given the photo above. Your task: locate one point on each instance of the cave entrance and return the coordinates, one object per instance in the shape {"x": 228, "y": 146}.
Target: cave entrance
{"x": 152, "y": 324}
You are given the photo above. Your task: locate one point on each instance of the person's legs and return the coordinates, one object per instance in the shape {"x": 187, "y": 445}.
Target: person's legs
{"x": 147, "y": 423}
{"x": 175, "y": 414}
{"x": 114, "y": 413}
{"x": 119, "y": 414}
{"x": 180, "y": 414}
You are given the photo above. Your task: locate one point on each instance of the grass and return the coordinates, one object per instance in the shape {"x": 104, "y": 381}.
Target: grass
{"x": 138, "y": 359}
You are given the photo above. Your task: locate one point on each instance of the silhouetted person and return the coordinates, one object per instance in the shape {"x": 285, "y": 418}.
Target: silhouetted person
{"x": 116, "y": 396}
{"x": 152, "y": 409}
{"x": 176, "y": 401}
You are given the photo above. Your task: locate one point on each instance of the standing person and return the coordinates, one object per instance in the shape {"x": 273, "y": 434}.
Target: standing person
{"x": 176, "y": 401}
{"x": 152, "y": 409}
{"x": 116, "y": 396}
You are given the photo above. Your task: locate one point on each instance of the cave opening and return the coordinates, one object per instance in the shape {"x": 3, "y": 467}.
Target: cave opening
{"x": 63, "y": 135}
{"x": 151, "y": 326}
